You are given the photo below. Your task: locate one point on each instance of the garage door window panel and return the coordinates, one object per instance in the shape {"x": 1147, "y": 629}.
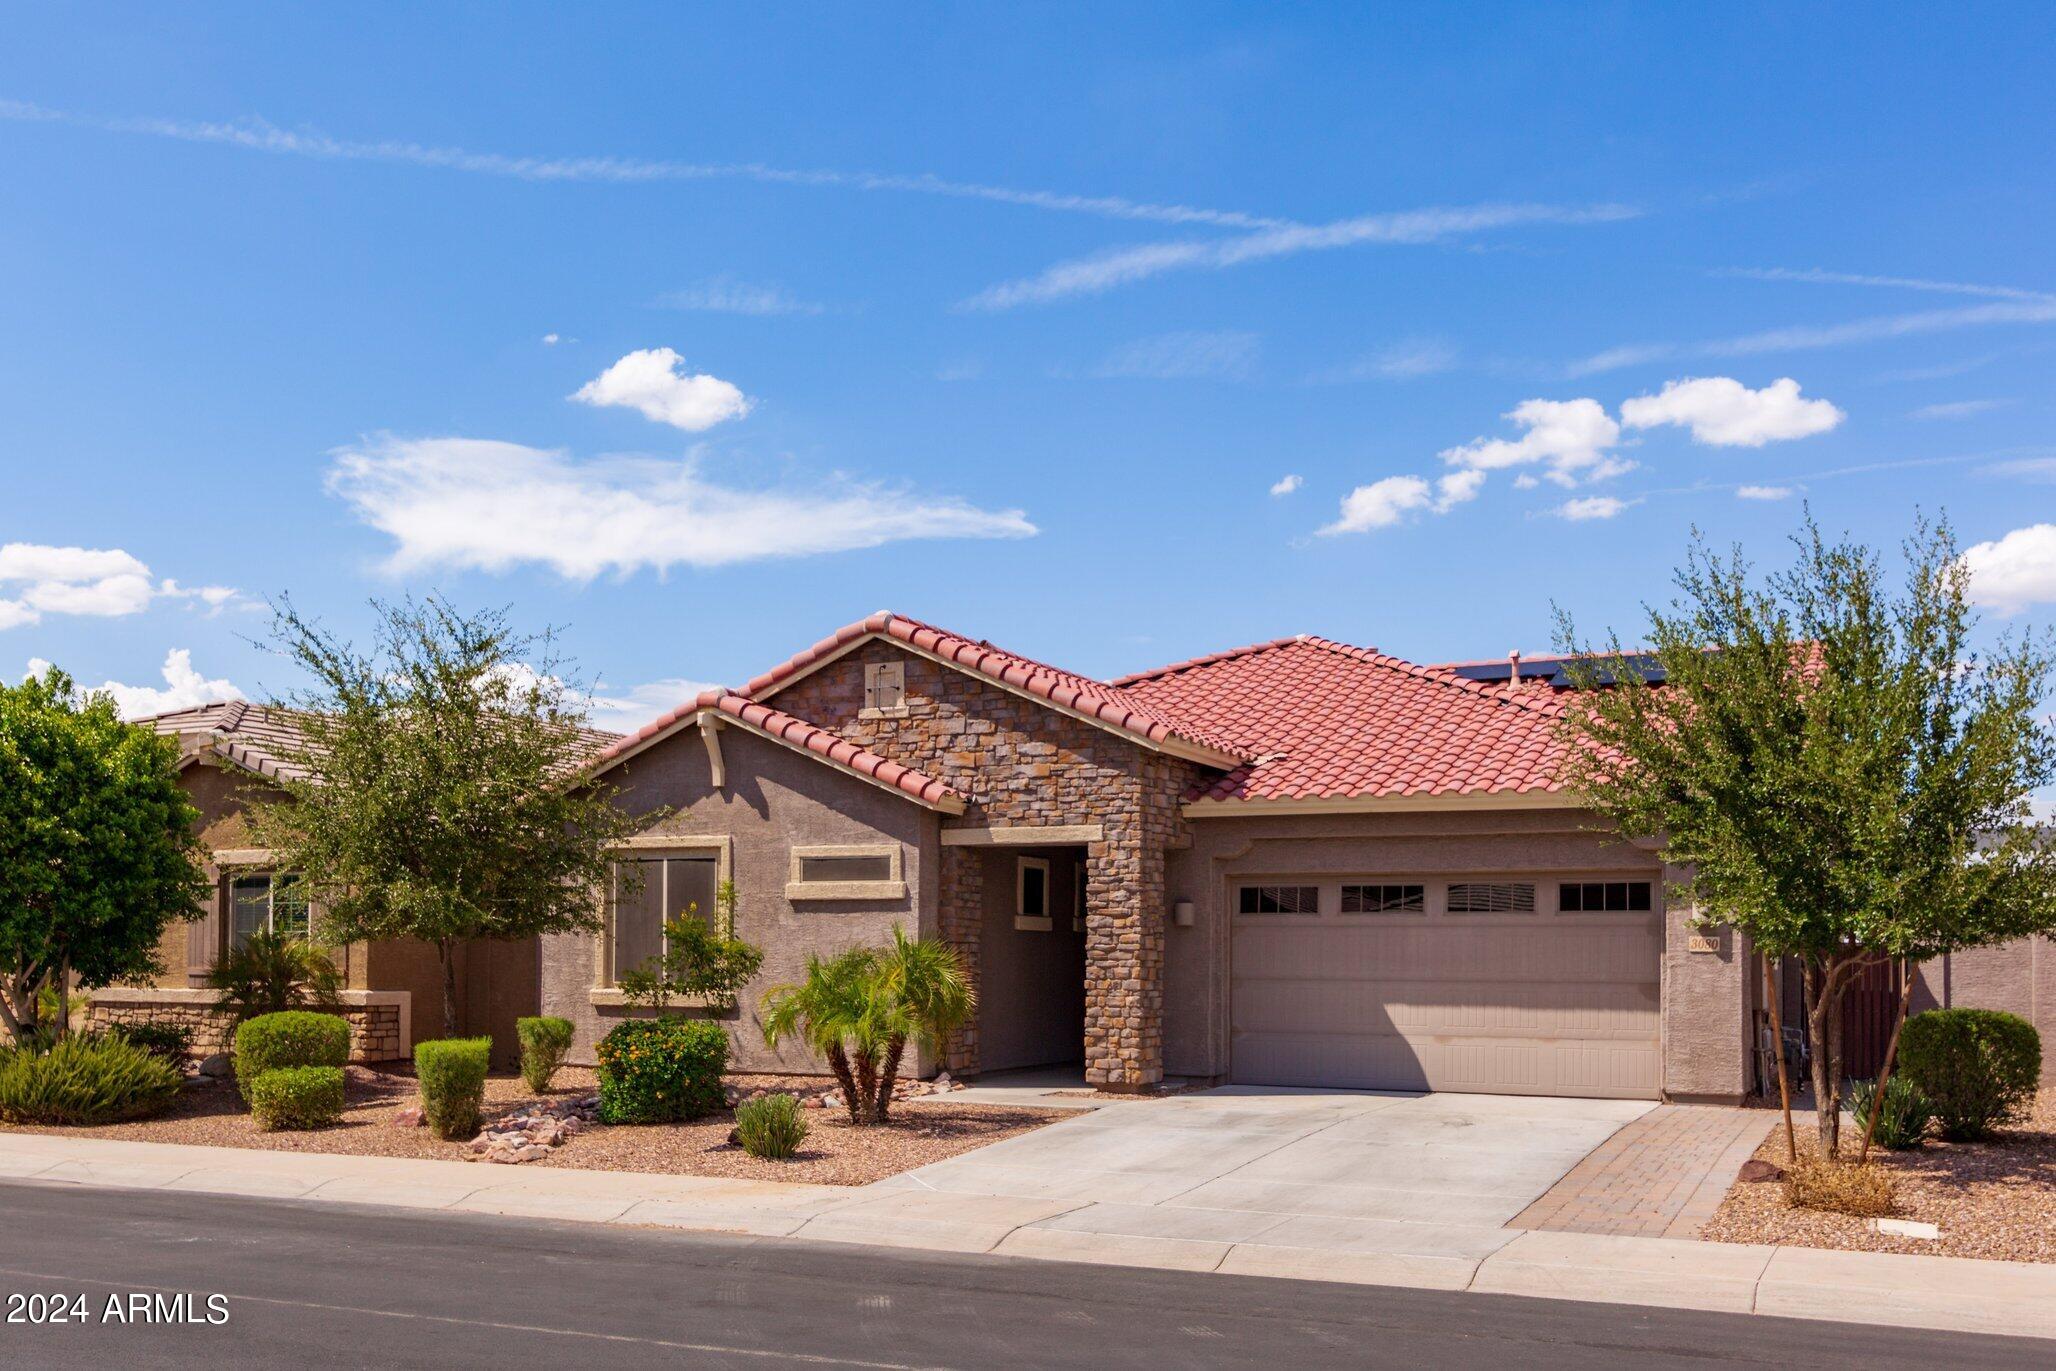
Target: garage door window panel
{"x": 1278, "y": 899}
{"x": 1491, "y": 897}
{"x": 1603, "y": 897}
{"x": 1385, "y": 898}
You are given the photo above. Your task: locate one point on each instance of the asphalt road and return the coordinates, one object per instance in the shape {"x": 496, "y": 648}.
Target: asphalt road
{"x": 309, "y": 1286}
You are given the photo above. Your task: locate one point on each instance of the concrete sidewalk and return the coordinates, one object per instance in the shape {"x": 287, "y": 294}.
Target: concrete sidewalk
{"x": 1910, "y": 1291}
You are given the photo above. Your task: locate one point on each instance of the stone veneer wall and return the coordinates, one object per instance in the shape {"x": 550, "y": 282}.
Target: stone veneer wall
{"x": 1025, "y": 764}
{"x": 378, "y": 1030}
{"x": 962, "y": 922}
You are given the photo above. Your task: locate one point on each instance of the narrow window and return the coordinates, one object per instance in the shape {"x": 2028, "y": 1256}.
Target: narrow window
{"x": 869, "y": 867}
{"x": 1384, "y": 899}
{"x": 265, "y": 903}
{"x": 1031, "y": 895}
{"x": 1602, "y": 897}
{"x": 1492, "y": 897}
{"x": 860, "y": 871}
{"x": 1279, "y": 899}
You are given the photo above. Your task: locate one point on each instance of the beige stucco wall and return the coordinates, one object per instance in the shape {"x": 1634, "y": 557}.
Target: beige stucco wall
{"x": 2018, "y": 977}
{"x": 1705, "y": 1005}
{"x": 774, "y": 799}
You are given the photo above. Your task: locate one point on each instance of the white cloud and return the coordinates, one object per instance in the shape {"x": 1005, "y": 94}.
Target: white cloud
{"x": 1381, "y": 504}
{"x": 256, "y": 135}
{"x": 1285, "y": 485}
{"x": 1569, "y": 437}
{"x": 727, "y": 295}
{"x": 2041, "y": 469}
{"x": 1802, "y": 337}
{"x": 1591, "y": 507}
{"x": 1958, "y": 409}
{"x": 655, "y": 383}
{"x": 1405, "y": 361}
{"x": 1223, "y": 355}
{"x": 551, "y": 340}
{"x": 1122, "y": 266}
{"x": 1763, "y": 492}
{"x": 1722, "y": 412}
{"x": 624, "y": 711}
{"x": 2015, "y": 571}
{"x": 183, "y": 688}
{"x": 487, "y": 505}
{"x": 37, "y": 579}
{"x": 1846, "y": 278}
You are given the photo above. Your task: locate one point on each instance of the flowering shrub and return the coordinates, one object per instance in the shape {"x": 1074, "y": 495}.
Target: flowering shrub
{"x": 661, "y": 1070}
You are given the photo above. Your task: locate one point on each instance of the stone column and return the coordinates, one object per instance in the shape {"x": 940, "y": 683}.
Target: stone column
{"x": 1124, "y": 962}
{"x": 961, "y": 917}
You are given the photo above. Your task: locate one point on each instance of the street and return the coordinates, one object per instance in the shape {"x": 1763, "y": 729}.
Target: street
{"x": 335, "y": 1286}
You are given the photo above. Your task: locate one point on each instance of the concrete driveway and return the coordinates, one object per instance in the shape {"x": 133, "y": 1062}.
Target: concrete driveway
{"x": 1412, "y": 1188}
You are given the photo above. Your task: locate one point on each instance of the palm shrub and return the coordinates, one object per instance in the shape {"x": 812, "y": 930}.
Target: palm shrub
{"x": 294, "y": 1037}
{"x": 272, "y": 972}
{"x": 1903, "y": 1115}
{"x": 452, "y": 1073}
{"x": 661, "y": 1070}
{"x": 545, "y": 1042}
{"x": 770, "y": 1126}
{"x": 297, "y": 1097}
{"x": 85, "y": 1079}
{"x": 862, "y": 1008}
{"x": 1980, "y": 1067}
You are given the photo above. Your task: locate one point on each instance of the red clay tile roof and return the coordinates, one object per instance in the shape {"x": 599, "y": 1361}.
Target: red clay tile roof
{"x": 1111, "y": 705}
{"x": 797, "y": 733}
{"x": 258, "y": 737}
{"x": 1322, "y": 720}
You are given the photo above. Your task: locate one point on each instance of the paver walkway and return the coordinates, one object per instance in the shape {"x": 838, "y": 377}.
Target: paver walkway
{"x": 1661, "y": 1176}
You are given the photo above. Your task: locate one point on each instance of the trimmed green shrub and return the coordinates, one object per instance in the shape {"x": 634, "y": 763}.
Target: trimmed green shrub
{"x": 297, "y": 1037}
{"x": 661, "y": 1070}
{"x": 1903, "y": 1118}
{"x": 452, "y": 1074}
{"x": 1980, "y": 1067}
{"x": 86, "y": 1079}
{"x": 297, "y": 1097}
{"x": 770, "y": 1126}
{"x": 171, "y": 1041}
{"x": 544, "y": 1045}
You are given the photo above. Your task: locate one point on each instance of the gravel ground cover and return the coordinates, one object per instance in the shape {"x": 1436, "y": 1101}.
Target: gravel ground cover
{"x": 211, "y": 1114}
{"x": 1995, "y": 1200}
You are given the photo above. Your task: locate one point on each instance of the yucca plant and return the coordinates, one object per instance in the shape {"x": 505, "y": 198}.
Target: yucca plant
{"x": 273, "y": 972}
{"x": 862, "y": 1008}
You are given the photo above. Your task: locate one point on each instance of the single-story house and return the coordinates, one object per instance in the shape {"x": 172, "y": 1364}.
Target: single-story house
{"x": 1297, "y": 862}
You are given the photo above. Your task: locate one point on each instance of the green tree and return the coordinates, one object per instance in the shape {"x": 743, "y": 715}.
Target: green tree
{"x": 1840, "y": 774}
{"x": 862, "y": 1008}
{"x": 98, "y": 847}
{"x": 436, "y": 790}
{"x": 699, "y": 960}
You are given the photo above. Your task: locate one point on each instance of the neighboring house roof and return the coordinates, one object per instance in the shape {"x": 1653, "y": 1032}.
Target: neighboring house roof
{"x": 1098, "y": 701}
{"x": 1323, "y": 721}
{"x": 795, "y": 733}
{"x": 259, "y": 738}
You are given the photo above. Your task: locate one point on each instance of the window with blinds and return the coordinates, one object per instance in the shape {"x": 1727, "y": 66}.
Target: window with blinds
{"x": 1279, "y": 899}
{"x": 1492, "y": 897}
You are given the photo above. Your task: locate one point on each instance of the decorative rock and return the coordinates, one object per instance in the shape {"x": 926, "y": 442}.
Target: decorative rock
{"x": 410, "y": 1118}
{"x": 1756, "y": 1169}
{"x": 1909, "y": 1228}
{"x": 219, "y": 1066}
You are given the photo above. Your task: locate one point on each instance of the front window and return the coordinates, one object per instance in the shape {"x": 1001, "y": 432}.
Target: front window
{"x": 265, "y": 903}
{"x": 647, "y": 892}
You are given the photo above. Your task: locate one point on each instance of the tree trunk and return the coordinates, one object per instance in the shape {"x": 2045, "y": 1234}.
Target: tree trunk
{"x": 890, "y": 1076}
{"x": 1777, "y": 1034}
{"x": 63, "y": 1000}
{"x": 867, "y": 1084}
{"x": 839, "y": 1063}
{"x": 1877, "y": 1096}
{"x": 1823, "y": 1001}
{"x": 446, "y": 949}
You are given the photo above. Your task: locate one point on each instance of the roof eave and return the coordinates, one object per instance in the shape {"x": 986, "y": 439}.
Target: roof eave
{"x": 1386, "y": 804}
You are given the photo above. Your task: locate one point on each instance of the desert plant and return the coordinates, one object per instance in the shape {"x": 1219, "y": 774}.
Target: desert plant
{"x": 295, "y": 1037}
{"x": 699, "y": 961}
{"x": 85, "y": 1079}
{"x": 1980, "y": 1067}
{"x": 661, "y": 1070}
{"x": 770, "y": 1126}
{"x": 1904, "y": 1114}
{"x": 862, "y": 1008}
{"x": 544, "y": 1044}
{"x": 297, "y": 1097}
{"x": 171, "y": 1041}
{"x": 272, "y": 972}
{"x": 1839, "y": 1188}
{"x": 452, "y": 1074}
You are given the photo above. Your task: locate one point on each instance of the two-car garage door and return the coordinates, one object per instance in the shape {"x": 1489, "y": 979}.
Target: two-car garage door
{"x": 1505, "y": 986}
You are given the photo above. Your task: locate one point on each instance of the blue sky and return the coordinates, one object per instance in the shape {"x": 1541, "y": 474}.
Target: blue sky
{"x": 1014, "y": 320}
